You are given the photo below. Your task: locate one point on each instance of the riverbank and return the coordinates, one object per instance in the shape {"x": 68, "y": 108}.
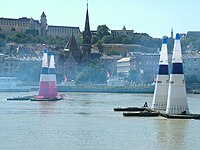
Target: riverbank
{"x": 106, "y": 89}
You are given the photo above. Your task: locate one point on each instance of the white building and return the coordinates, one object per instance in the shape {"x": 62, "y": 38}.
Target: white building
{"x": 124, "y": 66}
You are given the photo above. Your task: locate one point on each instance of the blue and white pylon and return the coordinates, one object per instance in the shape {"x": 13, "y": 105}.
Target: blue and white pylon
{"x": 162, "y": 80}
{"x": 177, "y": 97}
{"x": 52, "y": 77}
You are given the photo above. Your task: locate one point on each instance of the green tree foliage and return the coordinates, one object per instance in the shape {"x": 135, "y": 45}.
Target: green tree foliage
{"x": 13, "y": 29}
{"x": 170, "y": 44}
{"x": 2, "y": 37}
{"x": 107, "y": 39}
{"x": 112, "y": 52}
{"x": 31, "y": 36}
{"x": 102, "y": 30}
{"x": 33, "y": 32}
{"x": 121, "y": 39}
{"x": 94, "y": 40}
{"x": 29, "y": 72}
{"x": 146, "y": 40}
{"x": 133, "y": 75}
{"x": 94, "y": 73}
{"x": 59, "y": 77}
{"x": 148, "y": 43}
{"x": 99, "y": 45}
{"x": 192, "y": 79}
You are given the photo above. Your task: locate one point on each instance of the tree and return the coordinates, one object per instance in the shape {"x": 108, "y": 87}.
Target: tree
{"x": 99, "y": 45}
{"x": 33, "y": 32}
{"x": 112, "y": 52}
{"x": 29, "y": 72}
{"x": 132, "y": 75}
{"x": 107, "y": 39}
{"x": 13, "y": 29}
{"x": 94, "y": 40}
{"x": 102, "y": 30}
{"x": 93, "y": 73}
{"x": 170, "y": 44}
{"x": 192, "y": 79}
{"x": 121, "y": 39}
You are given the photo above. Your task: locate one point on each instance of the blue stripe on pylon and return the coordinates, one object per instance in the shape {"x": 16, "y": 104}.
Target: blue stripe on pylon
{"x": 164, "y": 41}
{"x": 52, "y": 53}
{"x": 163, "y": 70}
{"x": 177, "y": 68}
{"x": 45, "y": 50}
{"x": 44, "y": 70}
{"x": 52, "y": 71}
{"x": 177, "y": 36}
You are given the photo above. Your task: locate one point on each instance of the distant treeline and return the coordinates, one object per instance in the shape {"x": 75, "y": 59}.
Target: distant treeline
{"x": 102, "y": 36}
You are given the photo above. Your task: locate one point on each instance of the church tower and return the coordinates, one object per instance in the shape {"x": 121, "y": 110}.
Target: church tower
{"x": 87, "y": 39}
{"x": 172, "y": 33}
{"x": 43, "y": 25}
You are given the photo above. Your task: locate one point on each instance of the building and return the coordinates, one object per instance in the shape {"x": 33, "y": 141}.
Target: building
{"x": 195, "y": 34}
{"x": 70, "y": 67}
{"x": 72, "y": 58}
{"x": 8, "y": 25}
{"x": 191, "y": 63}
{"x": 110, "y": 63}
{"x": 122, "y": 49}
{"x": 122, "y": 32}
{"x": 18, "y": 67}
{"x": 69, "y": 59}
{"x": 124, "y": 66}
{"x": 72, "y": 48}
{"x": 146, "y": 66}
{"x": 8, "y": 66}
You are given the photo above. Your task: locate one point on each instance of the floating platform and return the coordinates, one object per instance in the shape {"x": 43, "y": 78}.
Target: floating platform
{"x": 189, "y": 116}
{"x": 20, "y": 98}
{"x": 129, "y": 109}
{"x": 39, "y": 98}
{"x": 141, "y": 114}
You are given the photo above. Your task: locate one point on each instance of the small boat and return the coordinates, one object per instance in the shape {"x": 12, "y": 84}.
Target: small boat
{"x": 20, "y": 98}
{"x": 197, "y": 91}
{"x": 129, "y": 109}
{"x": 141, "y": 114}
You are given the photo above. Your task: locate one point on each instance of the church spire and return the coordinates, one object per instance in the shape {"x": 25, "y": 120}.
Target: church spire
{"x": 172, "y": 34}
{"x": 87, "y": 23}
{"x": 87, "y": 38}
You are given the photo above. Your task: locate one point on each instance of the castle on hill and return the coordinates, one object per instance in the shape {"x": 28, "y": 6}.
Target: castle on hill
{"x": 8, "y": 25}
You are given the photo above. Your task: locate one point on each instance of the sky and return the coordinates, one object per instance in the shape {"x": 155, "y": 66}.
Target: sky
{"x": 154, "y": 17}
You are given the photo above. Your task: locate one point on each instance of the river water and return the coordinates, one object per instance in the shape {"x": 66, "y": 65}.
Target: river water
{"x": 86, "y": 121}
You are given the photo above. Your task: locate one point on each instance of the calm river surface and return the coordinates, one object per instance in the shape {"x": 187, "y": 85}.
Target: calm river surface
{"x": 86, "y": 121}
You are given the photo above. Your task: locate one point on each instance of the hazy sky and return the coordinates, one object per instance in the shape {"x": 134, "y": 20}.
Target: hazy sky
{"x": 155, "y": 17}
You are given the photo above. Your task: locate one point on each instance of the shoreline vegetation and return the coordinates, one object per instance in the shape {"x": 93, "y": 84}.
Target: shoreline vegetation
{"x": 149, "y": 89}
{"x": 106, "y": 89}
